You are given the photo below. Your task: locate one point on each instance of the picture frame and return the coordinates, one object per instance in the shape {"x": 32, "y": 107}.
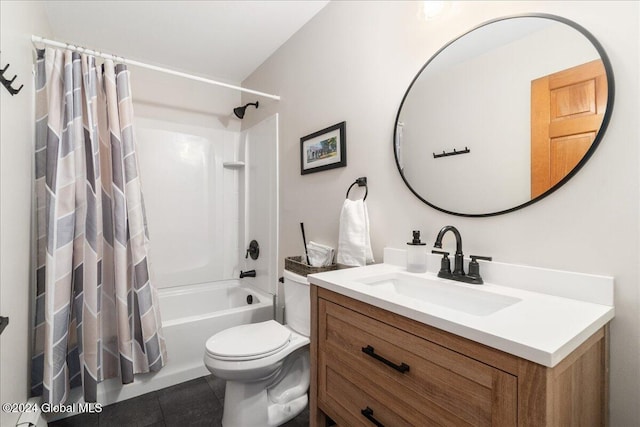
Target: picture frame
{"x": 324, "y": 149}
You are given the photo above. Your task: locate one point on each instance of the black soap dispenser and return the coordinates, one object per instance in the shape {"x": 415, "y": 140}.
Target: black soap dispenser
{"x": 416, "y": 254}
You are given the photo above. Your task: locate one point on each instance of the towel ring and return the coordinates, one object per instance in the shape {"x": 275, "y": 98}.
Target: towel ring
{"x": 362, "y": 182}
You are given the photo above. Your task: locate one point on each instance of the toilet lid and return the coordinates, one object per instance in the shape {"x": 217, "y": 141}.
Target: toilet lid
{"x": 247, "y": 342}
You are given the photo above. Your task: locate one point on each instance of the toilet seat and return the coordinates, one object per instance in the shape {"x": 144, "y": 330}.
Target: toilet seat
{"x": 248, "y": 342}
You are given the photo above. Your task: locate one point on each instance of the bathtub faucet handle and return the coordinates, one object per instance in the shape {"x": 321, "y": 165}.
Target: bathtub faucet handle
{"x": 248, "y": 273}
{"x": 253, "y": 250}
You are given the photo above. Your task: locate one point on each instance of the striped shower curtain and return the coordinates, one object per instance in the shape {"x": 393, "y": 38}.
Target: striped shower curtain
{"x": 96, "y": 310}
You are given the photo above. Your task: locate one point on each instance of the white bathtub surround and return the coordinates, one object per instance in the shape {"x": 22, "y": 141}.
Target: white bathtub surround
{"x": 259, "y": 218}
{"x": 182, "y": 165}
{"x": 538, "y": 314}
{"x": 228, "y": 179}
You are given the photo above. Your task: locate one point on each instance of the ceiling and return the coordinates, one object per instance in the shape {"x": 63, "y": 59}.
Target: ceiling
{"x": 223, "y": 40}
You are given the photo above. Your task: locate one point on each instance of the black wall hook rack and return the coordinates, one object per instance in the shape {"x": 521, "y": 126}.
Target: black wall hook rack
{"x": 451, "y": 153}
{"x": 7, "y": 83}
{"x": 361, "y": 182}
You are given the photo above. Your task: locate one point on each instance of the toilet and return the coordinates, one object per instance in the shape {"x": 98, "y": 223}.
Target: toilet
{"x": 266, "y": 364}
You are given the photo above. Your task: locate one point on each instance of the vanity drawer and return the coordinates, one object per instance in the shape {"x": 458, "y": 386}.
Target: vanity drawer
{"x": 349, "y": 405}
{"x": 436, "y": 385}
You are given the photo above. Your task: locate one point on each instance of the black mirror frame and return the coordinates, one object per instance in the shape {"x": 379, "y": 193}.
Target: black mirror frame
{"x": 587, "y": 156}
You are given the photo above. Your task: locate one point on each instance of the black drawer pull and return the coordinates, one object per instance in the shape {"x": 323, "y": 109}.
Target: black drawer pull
{"x": 402, "y": 367}
{"x": 368, "y": 413}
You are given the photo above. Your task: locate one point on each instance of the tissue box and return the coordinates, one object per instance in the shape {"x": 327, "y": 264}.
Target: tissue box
{"x": 297, "y": 265}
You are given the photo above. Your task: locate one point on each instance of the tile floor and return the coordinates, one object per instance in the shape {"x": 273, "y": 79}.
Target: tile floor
{"x": 194, "y": 403}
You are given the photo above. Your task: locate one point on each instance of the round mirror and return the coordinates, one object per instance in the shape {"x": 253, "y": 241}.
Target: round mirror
{"x": 503, "y": 115}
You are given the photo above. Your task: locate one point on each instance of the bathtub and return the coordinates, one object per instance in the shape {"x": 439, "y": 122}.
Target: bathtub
{"x": 190, "y": 315}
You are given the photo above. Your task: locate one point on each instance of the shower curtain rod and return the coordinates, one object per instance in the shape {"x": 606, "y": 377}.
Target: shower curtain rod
{"x": 36, "y": 39}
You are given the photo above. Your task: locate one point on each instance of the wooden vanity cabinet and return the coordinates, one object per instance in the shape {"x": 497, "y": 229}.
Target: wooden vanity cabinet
{"x": 371, "y": 367}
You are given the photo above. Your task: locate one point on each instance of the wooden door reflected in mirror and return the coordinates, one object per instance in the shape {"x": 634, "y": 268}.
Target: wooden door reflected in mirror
{"x": 567, "y": 109}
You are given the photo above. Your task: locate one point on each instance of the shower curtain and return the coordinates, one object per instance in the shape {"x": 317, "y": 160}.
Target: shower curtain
{"x": 96, "y": 310}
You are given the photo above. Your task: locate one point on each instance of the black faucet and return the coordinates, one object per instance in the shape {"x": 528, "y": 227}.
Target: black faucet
{"x": 458, "y": 267}
{"x": 248, "y": 273}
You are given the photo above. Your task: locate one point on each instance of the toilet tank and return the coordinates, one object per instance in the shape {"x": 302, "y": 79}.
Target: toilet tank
{"x": 297, "y": 303}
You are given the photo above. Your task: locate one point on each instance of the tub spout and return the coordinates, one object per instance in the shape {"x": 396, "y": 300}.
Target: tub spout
{"x": 248, "y": 273}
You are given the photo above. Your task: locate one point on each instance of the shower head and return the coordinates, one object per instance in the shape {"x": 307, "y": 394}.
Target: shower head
{"x": 239, "y": 111}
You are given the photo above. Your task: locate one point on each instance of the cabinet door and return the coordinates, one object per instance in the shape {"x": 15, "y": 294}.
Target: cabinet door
{"x": 369, "y": 363}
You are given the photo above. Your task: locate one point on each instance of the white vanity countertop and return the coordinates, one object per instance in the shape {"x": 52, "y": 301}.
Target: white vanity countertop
{"x": 542, "y": 327}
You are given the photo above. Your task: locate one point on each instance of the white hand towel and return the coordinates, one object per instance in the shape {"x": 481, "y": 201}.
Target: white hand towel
{"x": 320, "y": 255}
{"x": 354, "y": 244}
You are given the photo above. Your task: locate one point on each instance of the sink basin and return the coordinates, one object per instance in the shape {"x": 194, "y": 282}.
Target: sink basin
{"x": 441, "y": 292}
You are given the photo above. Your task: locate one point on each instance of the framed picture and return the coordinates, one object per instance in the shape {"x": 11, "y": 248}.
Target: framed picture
{"x": 325, "y": 149}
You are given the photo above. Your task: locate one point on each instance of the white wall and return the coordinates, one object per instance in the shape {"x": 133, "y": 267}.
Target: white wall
{"x": 353, "y": 62}
{"x": 18, "y": 20}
